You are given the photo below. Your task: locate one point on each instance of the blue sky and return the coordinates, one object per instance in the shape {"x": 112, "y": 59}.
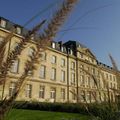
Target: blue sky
{"x": 96, "y": 23}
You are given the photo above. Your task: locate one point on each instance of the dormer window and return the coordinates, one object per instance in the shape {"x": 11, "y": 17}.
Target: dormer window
{"x": 79, "y": 46}
{"x": 32, "y": 37}
{"x": 53, "y": 45}
{"x": 62, "y": 48}
{"x": 81, "y": 55}
{"x": 3, "y": 23}
{"x": 70, "y": 51}
{"x": 18, "y": 30}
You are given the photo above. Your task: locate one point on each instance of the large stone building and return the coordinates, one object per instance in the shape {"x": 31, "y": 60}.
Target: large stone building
{"x": 65, "y": 73}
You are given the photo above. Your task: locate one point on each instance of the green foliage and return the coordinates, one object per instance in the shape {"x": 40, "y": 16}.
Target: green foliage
{"x": 20, "y": 114}
{"x": 58, "y": 107}
{"x": 96, "y": 111}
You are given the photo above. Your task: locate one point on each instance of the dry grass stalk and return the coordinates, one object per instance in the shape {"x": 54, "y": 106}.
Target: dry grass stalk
{"x": 4, "y": 43}
{"x": 13, "y": 55}
{"x": 57, "y": 20}
{"x": 95, "y": 81}
{"x": 49, "y": 33}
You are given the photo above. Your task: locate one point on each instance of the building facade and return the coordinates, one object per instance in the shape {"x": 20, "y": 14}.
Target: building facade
{"x": 66, "y": 72}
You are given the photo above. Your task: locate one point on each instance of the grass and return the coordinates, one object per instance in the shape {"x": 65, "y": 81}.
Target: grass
{"x": 20, "y": 114}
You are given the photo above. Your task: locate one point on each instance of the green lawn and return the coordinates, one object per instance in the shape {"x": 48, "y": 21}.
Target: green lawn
{"x": 19, "y": 114}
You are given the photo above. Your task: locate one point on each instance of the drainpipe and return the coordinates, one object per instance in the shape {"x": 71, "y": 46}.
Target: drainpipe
{"x": 68, "y": 78}
{"x": 77, "y": 73}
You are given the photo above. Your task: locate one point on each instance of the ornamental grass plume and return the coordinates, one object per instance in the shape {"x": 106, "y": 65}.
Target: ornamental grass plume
{"x": 109, "y": 111}
{"x": 48, "y": 34}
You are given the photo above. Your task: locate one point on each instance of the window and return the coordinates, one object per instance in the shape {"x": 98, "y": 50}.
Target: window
{"x": 30, "y": 52}
{"x": 105, "y": 97}
{"x": 114, "y": 86}
{"x": 32, "y": 37}
{"x": 43, "y": 56}
{"x": 98, "y": 73}
{"x": 53, "y": 60}
{"x": 12, "y": 88}
{"x": 62, "y": 48}
{"x": 42, "y": 71}
{"x": 82, "y": 81}
{"x": 93, "y": 71}
{"x": 62, "y": 62}
{"x": 81, "y": 55}
{"x": 53, "y": 93}
{"x": 62, "y": 93}
{"x": 14, "y": 46}
{"x": 62, "y": 76}
{"x": 18, "y": 30}
{"x": 111, "y": 77}
{"x": 88, "y": 69}
{"x": 88, "y": 96}
{"x": 70, "y": 51}
{"x": 53, "y": 74}
{"x": 92, "y": 60}
{"x": 53, "y": 45}
{"x": 28, "y": 91}
{"x": 73, "y": 94}
{"x": 106, "y": 76}
{"x": 93, "y": 83}
{"x": 93, "y": 96}
{"x": 82, "y": 95}
{"x": 73, "y": 78}
{"x": 14, "y": 67}
{"x": 3, "y": 23}
{"x": 42, "y": 92}
{"x": 73, "y": 65}
{"x": 30, "y": 72}
{"x": 111, "y": 85}
{"x": 114, "y": 78}
{"x": 88, "y": 81}
{"x": 81, "y": 68}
